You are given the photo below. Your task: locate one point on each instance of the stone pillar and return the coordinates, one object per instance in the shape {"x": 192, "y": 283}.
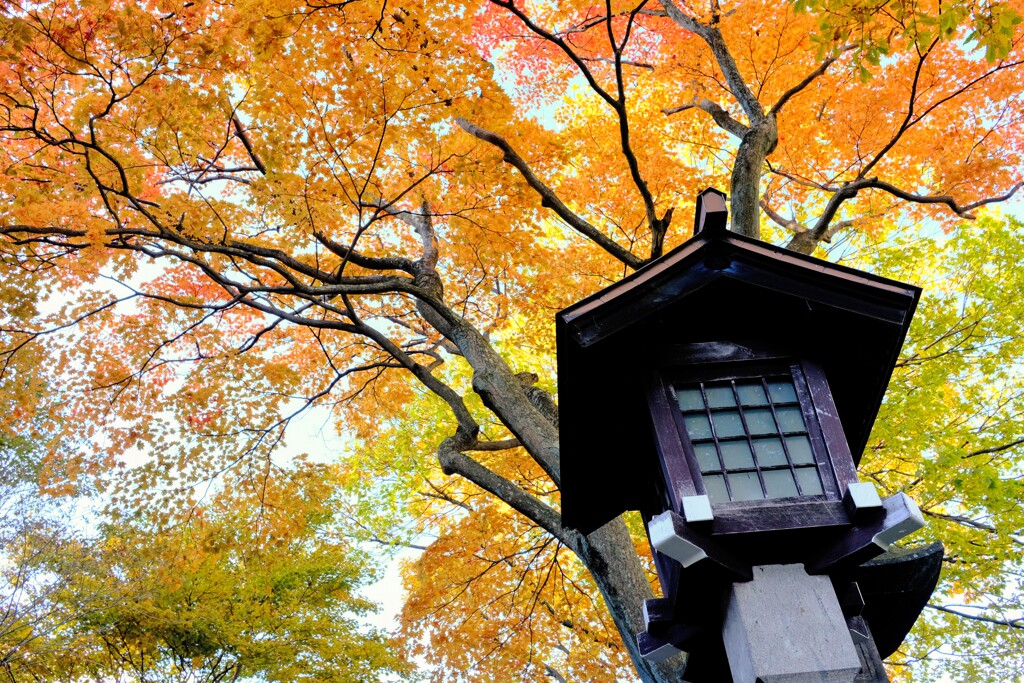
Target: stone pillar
{"x": 786, "y": 626}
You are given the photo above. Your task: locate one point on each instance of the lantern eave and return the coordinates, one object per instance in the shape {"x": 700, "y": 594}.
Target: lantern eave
{"x": 716, "y": 287}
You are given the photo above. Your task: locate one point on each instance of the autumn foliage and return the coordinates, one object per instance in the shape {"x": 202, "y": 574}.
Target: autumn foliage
{"x": 218, "y": 216}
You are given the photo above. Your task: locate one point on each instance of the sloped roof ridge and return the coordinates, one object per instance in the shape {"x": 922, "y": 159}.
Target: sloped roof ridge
{"x": 695, "y": 244}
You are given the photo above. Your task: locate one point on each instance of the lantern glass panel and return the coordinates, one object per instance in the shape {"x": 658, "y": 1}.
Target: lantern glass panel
{"x": 715, "y": 486}
{"x": 770, "y": 452}
{"x": 707, "y": 457}
{"x": 760, "y": 421}
{"x": 809, "y": 480}
{"x": 728, "y": 424}
{"x": 736, "y": 455}
{"x": 690, "y": 399}
{"x": 745, "y": 486}
{"x": 781, "y": 391}
{"x": 751, "y": 394}
{"x": 720, "y": 397}
{"x": 780, "y": 484}
{"x": 750, "y": 438}
{"x": 799, "y": 448}
{"x": 698, "y": 426}
{"x": 791, "y": 419}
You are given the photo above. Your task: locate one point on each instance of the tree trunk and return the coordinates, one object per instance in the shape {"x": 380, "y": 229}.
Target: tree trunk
{"x": 745, "y": 188}
{"x": 609, "y": 555}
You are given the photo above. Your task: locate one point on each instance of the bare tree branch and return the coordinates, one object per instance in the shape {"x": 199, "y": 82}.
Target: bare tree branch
{"x": 561, "y": 44}
{"x": 805, "y": 242}
{"x": 995, "y": 449}
{"x": 553, "y": 673}
{"x": 801, "y": 233}
{"x": 624, "y": 62}
{"x": 1012, "y": 623}
{"x": 908, "y": 120}
{"x": 756, "y": 143}
{"x": 713, "y": 37}
{"x": 657, "y": 226}
{"x": 503, "y": 445}
{"x": 244, "y": 136}
{"x": 454, "y": 461}
{"x": 723, "y": 118}
{"x": 371, "y": 262}
{"x": 811, "y": 77}
{"x": 548, "y": 197}
{"x": 850, "y": 190}
{"x": 791, "y": 224}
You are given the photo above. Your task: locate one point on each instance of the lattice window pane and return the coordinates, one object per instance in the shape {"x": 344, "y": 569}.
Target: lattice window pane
{"x": 745, "y": 486}
{"x": 690, "y": 399}
{"x": 728, "y": 424}
{"x": 769, "y": 452}
{"x": 810, "y": 482}
{"x": 751, "y": 394}
{"x": 791, "y": 419}
{"x": 750, "y": 439}
{"x": 780, "y": 483}
{"x": 698, "y": 426}
{"x": 736, "y": 455}
{"x": 707, "y": 457}
{"x": 720, "y": 397}
{"x": 781, "y": 391}
{"x": 715, "y": 486}
{"x": 760, "y": 421}
{"x": 799, "y": 448}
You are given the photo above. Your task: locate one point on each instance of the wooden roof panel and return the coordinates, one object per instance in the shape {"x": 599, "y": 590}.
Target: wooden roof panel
{"x": 718, "y": 286}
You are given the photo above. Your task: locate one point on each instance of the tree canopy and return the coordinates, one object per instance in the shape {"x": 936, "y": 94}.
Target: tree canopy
{"x": 217, "y": 215}
{"x": 256, "y": 585}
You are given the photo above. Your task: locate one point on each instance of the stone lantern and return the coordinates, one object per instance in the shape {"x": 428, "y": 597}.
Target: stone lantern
{"x": 726, "y": 391}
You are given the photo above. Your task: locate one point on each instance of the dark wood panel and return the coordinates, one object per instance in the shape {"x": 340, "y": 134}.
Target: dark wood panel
{"x": 744, "y": 518}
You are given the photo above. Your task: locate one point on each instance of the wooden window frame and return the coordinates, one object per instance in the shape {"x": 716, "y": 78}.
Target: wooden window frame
{"x": 828, "y": 442}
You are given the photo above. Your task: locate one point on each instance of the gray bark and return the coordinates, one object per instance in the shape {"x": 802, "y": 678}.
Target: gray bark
{"x": 609, "y": 555}
{"x": 758, "y": 137}
{"x": 744, "y": 202}
{"x": 532, "y": 416}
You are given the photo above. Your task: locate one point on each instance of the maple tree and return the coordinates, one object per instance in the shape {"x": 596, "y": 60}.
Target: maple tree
{"x": 32, "y": 534}
{"x": 375, "y": 207}
{"x": 257, "y": 584}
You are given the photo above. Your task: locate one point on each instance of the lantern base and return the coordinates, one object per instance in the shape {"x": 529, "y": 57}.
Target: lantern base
{"x": 786, "y": 626}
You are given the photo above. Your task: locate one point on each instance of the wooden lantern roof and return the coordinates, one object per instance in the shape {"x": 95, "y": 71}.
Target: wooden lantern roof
{"x": 716, "y": 287}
